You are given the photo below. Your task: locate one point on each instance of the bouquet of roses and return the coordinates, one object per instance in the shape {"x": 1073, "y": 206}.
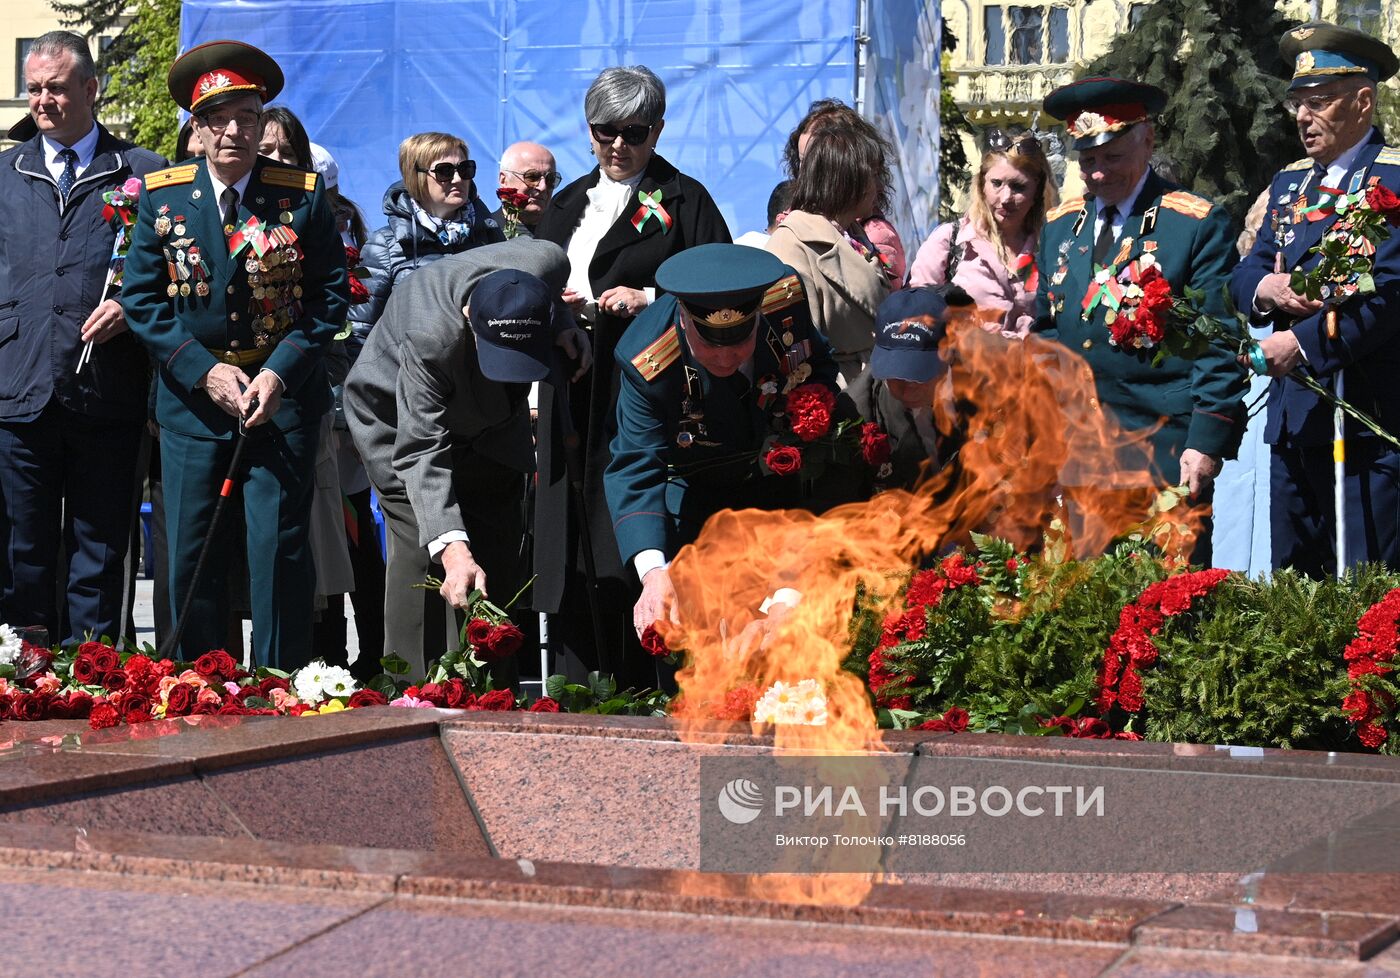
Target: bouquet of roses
{"x": 806, "y": 436}
{"x": 1347, "y": 252}
{"x": 488, "y": 635}
{"x": 512, "y": 203}
{"x": 1138, "y": 300}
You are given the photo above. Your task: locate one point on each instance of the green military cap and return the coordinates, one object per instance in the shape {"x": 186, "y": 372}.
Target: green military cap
{"x": 1321, "y": 52}
{"x": 1097, "y": 110}
{"x": 215, "y": 72}
{"x": 722, "y": 287}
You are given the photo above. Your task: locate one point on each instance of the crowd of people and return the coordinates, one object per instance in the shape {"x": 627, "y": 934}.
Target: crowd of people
{"x": 550, "y": 393}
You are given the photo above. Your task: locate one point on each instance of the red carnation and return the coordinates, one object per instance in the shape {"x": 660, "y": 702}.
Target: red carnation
{"x": 1382, "y": 201}
{"x": 103, "y": 715}
{"x": 367, "y": 697}
{"x": 497, "y": 699}
{"x": 653, "y": 642}
{"x": 738, "y": 704}
{"x": 504, "y": 641}
{"x": 180, "y": 700}
{"x": 478, "y": 632}
{"x": 544, "y": 705}
{"x": 809, "y": 410}
{"x": 874, "y": 445}
{"x": 784, "y": 459}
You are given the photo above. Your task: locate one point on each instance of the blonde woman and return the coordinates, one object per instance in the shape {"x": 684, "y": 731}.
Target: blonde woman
{"x": 990, "y": 252}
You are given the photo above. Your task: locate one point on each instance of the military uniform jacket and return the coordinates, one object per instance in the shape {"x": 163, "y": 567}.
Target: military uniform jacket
{"x": 1198, "y": 402}
{"x": 659, "y": 493}
{"x": 53, "y": 264}
{"x": 1367, "y": 351}
{"x": 289, "y": 308}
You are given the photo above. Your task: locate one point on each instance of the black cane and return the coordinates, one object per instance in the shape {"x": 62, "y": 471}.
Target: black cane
{"x": 173, "y": 642}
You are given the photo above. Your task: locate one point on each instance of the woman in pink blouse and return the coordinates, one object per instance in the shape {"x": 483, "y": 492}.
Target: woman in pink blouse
{"x": 994, "y": 257}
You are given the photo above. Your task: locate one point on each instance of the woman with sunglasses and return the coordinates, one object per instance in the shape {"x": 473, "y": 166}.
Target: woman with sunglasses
{"x": 618, "y": 224}
{"x": 990, "y": 251}
{"x": 433, "y": 211}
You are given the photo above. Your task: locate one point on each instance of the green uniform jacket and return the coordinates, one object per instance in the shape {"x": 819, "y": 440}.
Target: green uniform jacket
{"x": 182, "y": 330}
{"x": 1200, "y": 402}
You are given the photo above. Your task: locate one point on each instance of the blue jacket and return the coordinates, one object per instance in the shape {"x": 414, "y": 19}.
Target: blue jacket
{"x": 395, "y": 251}
{"x": 1367, "y": 351}
{"x": 53, "y": 264}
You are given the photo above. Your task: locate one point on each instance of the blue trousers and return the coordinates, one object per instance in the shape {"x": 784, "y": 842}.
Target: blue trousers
{"x": 67, "y": 485}
{"x": 276, "y": 477}
{"x": 1302, "y": 507}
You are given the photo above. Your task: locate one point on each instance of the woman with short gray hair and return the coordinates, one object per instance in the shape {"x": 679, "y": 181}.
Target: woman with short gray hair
{"x": 618, "y": 224}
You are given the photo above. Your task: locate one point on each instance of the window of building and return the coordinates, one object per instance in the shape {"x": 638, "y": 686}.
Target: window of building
{"x": 22, "y": 46}
{"x": 1026, "y": 34}
{"x": 995, "y": 34}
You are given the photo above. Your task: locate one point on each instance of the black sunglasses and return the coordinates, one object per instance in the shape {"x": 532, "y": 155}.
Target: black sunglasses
{"x": 535, "y": 177}
{"x": 442, "y": 173}
{"x": 631, "y": 135}
{"x": 1026, "y": 144}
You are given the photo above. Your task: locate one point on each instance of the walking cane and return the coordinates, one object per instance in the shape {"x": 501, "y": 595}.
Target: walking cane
{"x": 1339, "y": 459}
{"x": 173, "y": 642}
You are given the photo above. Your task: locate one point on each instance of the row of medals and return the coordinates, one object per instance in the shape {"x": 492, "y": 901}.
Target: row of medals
{"x": 275, "y": 279}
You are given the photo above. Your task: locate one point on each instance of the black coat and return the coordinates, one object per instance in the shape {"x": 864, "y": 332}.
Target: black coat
{"x": 628, "y": 258}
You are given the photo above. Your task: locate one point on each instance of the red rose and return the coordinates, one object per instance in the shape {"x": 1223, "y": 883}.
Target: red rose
{"x": 809, "y": 410}
{"x": 91, "y": 648}
{"x": 783, "y": 459}
{"x": 366, "y": 697}
{"x": 84, "y": 669}
{"x": 874, "y": 445}
{"x": 1382, "y": 201}
{"x": 268, "y": 683}
{"x": 232, "y": 708}
{"x": 544, "y": 705}
{"x": 31, "y": 706}
{"x": 103, "y": 715}
{"x": 433, "y": 693}
{"x": 956, "y": 719}
{"x": 216, "y": 666}
{"x": 114, "y": 680}
{"x": 504, "y": 642}
{"x": 478, "y": 632}
{"x": 938, "y": 724}
{"x": 204, "y": 709}
{"x": 105, "y": 659}
{"x": 78, "y": 705}
{"x": 181, "y": 700}
{"x": 455, "y": 693}
{"x": 653, "y": 642}
{"x": 512, "y": 197}
{"x": 497, "y": 699}
{"x": 359, "y": 292}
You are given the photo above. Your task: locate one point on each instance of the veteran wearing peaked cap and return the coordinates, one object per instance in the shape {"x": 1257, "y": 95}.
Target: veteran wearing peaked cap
{"x": 701, "y": 369}
{"x": 1092, "y": 251}
{"x": 1352, "y": 346}
{"x": 236, "y": 284}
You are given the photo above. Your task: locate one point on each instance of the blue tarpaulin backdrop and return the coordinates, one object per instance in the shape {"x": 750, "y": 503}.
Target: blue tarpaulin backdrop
{"x": 363, "y": 75}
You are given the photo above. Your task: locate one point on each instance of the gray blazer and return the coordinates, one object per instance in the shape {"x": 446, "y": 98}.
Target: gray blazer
{"x": 417, "y": 393}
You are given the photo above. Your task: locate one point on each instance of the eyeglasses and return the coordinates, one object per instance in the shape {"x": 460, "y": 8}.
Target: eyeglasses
{"x": 1293, "y": 104}
{"x": 631, "y": 135}
{"x": 1025, "y": 144}
{"x": 219, "y": 121}
{"x": 443, "y": 172}
{"x": 535, "y": 177}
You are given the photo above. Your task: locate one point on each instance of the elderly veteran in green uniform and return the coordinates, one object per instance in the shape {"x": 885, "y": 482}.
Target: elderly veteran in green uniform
{"x": 236, "y": 283}
{"x": 1129, "y": 220}
{"x": 699, "y": 369}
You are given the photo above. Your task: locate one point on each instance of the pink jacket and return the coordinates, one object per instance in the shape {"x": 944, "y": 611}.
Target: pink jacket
{"x": 1007, "y": 300}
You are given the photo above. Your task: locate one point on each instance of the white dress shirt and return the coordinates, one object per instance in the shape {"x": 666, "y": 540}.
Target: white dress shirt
{"x": 86, "y": 148}
{"x": 607, "y": 201}
{"x": 1123, "y": 206}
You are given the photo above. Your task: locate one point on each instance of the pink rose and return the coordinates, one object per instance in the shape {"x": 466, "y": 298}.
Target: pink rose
{"x": 132, "y": 187}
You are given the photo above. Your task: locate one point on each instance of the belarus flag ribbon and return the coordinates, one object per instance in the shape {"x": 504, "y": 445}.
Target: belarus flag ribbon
{"x": 651, "y": 207}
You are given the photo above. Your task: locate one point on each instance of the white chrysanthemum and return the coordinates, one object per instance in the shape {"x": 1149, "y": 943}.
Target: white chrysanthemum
{"x": 792, "y": 703}
{"x": 337, "y": 681}
{"x": 10, "y": 645}
{"x": 308, "y": 681}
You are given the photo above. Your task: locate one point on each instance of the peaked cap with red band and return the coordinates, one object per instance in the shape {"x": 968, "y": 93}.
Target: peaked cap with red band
{"x": 212, "y": 73}
{"x": 1097, "y": 110}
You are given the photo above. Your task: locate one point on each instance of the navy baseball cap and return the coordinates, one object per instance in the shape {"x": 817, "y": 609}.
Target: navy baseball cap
{"x": 722, "y": 287}
{"x": 908, "y": 328}
{"x": 512, "y": 315}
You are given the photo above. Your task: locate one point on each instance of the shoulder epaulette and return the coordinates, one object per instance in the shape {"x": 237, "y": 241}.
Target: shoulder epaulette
{"x": 171, "y": 176}
{"x": 1186, "y": 203}
{"x": 1304, "y": 164}
{"x": 1389, "y": 156}
{"x": 785, "y": 292}
{"x": 1068, "y": 207}
{"x": 659, "y": 355}
{"x": 285, "y": 176}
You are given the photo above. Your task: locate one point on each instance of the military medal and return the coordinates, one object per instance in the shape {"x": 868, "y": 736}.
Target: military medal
{"x": 787, "y": 338}
{"x": 201, "y": 289}
{"x": 185, "y": 289}
{"x": 162, "y": 226}
{"x": 179, "y": 228}
{"x": 172, "y": 290}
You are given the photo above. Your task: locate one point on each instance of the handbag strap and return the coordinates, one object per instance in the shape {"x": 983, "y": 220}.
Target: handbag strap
{"x": 954, "y": 256}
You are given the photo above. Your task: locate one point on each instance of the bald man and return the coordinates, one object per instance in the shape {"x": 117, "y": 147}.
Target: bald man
{"x": 528, "y": 167}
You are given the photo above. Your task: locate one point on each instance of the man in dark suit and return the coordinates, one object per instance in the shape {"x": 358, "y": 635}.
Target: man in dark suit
{"x": 236, "y": 284}
{"x": 700, "y": 370}
{"x": 439, "y": 413}
{"x": 1130, "y": 220}
{"x": 1333, "y": 98}
{"x": 69, "y": 438}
